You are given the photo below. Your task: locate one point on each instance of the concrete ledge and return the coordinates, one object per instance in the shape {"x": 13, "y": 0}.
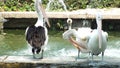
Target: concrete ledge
{"x": 55, "y": 62}
{"x": 113, "y": 13}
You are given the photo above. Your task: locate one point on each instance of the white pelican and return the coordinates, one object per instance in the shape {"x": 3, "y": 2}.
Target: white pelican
{"x": 37, "y": 35}
{"x": 97, "y": 41}
{"x": 81, "y": 37}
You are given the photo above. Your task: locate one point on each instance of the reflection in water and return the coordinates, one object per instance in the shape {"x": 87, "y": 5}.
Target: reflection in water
{"x": 13, "y": 43}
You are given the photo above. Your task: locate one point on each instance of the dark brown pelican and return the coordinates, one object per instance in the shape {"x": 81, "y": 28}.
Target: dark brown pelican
{"x": 37, "y": 35}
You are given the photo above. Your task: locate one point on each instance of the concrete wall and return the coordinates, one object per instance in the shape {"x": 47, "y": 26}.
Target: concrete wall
{"x": 22, "y": 23}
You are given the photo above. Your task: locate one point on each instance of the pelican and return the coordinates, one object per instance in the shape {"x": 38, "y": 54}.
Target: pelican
{"x": 81, "y": 36}
{"x": 37, "y": 35}
{"x": 97, "y": 41}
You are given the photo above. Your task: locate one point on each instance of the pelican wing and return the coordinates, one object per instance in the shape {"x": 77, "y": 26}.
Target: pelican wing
{"x": 35, "y": 36}
{"x": 29, "y": 33}
{"x": 67, "y": 34}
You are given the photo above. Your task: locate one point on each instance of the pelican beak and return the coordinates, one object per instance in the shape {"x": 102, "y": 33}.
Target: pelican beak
{"x": 44, "y": 14}
{"x": 100, "y": 33}
{"x": 76, "y": 44}
{"x": 99, "y": 28}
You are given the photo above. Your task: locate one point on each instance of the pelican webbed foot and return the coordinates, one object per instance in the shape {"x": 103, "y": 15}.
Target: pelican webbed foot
{"x": 36, "y": 54}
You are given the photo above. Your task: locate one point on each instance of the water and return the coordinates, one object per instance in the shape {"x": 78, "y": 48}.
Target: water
{"x": 57, "y": 5}
{"x": 13, "y": 43}
{"x": 113, "y": 49}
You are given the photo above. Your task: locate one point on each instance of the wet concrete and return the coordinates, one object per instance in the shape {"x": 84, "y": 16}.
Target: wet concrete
{"x": 56, "y": 62}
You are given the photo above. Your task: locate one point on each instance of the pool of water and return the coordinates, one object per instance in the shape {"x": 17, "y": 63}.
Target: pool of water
{"x": 13, "y": 43}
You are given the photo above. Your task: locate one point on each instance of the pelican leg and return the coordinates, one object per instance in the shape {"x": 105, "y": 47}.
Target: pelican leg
{"x": 102, "y": 56}
{"x": 78, "y": 57}
{"x": 33, "y": 51}
{"x": 42, "y": 54}
{"x": 38, "y": 50}
{"x": 92, "y": 57}
{"x": 88, "y": 55}
{"x": 78, "y": 54}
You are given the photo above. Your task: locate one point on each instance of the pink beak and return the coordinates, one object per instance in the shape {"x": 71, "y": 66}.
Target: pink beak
{"x": 99, "y": 24}
{"x": 44, "y": 15}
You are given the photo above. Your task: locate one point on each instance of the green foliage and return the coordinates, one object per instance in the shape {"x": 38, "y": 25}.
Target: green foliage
{"x": 73, "y": 4}
{"x": 80, "y": 4}
{"x": 55, "y": 6}
{"x": 28, "y": 5}
{"x": 103, "y": 3}
{"x": 18, "y": 5}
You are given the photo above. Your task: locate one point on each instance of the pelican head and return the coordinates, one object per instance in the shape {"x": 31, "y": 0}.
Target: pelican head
{"x": 99, "y": 20}
{"x": 41, "y": 12}
{"x": 44, "y": 14}
{"x": 69, "y": 22}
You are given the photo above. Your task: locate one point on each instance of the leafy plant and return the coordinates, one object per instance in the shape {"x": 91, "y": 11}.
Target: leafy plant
{"x": 18, "y": 5}
{"x": 28, "y": 5}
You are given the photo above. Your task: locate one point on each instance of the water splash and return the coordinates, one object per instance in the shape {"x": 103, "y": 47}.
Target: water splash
{"x": 112, "y": 53}
{"x": 86, "y": 23}
{"x": 63, "y": 4}
{"x": 58, "y": 2}
{"x": 57, "y": 47}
